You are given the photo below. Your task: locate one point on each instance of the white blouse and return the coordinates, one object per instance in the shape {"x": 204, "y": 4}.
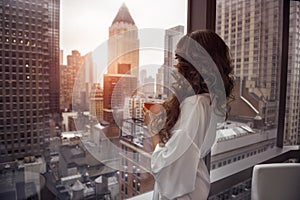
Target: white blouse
{"x": 178, "y": 167}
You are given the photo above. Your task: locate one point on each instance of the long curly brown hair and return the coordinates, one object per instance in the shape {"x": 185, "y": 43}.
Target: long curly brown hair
{"x": 220, "y": 54}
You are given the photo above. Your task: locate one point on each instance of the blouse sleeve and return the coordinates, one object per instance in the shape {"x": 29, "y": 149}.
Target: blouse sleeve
{"x": 175, "y": 165}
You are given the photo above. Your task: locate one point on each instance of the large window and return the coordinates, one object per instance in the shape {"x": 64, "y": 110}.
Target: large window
{"x": 62, "y": 133}
{"x": 88, "y": 139}
{"x": 124, "y": 53}
{"x": 254, "y": 40}
{"x": 261, "y": 60}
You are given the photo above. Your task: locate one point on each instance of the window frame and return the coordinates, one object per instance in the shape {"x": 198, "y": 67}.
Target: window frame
{"x": 202, "y": 15}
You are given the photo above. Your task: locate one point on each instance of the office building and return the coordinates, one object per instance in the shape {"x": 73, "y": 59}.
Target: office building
{"x": 148, "y": 88}
{"x": 25, "y": 76}
{"x": 292, "y": 119}
{"x": 120, "y": 84}
{"x": 90, "y": 79}
{"x": 61, "y": 57}
{"x": 133, "y": 107}
{"x": 116, "y": 88}
{"x": 254, "y": 39}
{"x": 123, "y": 68}
{"x": 96, "y": 102}
{"x": 159, "y": 89}
{"x": 143, "y": 76}
{"x": 237, "y": 141}
{"x": 75, "y": 173}
{"x": 172, "y": 37}
{"x": 54, "y": 53}
{"x": 123, "y": 44}
{"x": 135, "y": 157}
{"x": 77, "y": 82}
{"x": 21, "y": 179}
{"x": 68, "y": 77}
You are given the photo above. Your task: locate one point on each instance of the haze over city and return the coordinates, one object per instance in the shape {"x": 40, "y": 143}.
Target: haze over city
{"x": 84, "y": 24}
{"x": 65, "y": 133}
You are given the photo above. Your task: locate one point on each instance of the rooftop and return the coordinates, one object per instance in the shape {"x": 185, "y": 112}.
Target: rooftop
{"x": 230, "y": 129}
{"x": 123, "y": 15}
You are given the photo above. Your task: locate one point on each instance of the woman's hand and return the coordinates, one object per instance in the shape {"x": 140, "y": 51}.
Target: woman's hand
{"x": 146, "y": 114}
{"x": 154, "y": 118}
{"x": 154, "y": 110}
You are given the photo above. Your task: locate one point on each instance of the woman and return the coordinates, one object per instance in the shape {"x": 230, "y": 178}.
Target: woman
{"x": 184, "y": 129}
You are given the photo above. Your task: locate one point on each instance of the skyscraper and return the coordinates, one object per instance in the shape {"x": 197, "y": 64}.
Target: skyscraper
{"x": 252, "y": 30}
{"x": 96, "y": 102}
{"x": 172, "y": 36}
{"x": 123, "y": 63}
{"x": 25, "y": 77}
{"x": 123, "y": 44}
{"x": 253, "y": 38}
{"x": 116, "y": 88}
{"x": 292, "y": 119}
{"x": 54, "y": 10}
{"x": 68, "y": 76}
{"x": 61, "y": 57}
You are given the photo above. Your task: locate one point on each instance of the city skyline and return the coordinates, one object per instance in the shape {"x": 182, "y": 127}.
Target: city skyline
{"x": 93, "y": 31}
{"x": 95, "y": 145}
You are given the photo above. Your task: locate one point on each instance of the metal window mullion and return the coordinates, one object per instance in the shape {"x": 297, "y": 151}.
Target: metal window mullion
{"x": 283, "y": 72}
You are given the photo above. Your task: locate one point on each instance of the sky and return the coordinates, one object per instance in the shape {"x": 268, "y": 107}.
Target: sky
{"x": 85, "y": 23}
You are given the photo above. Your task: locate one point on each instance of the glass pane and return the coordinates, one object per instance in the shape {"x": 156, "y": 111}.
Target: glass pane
{"x": 252, "y": 30}
{"x": 63, "y": 134}
{"x": 125, "y": 51}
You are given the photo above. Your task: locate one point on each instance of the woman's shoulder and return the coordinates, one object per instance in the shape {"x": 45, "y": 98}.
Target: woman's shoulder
{"x": 203, "y": 98}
